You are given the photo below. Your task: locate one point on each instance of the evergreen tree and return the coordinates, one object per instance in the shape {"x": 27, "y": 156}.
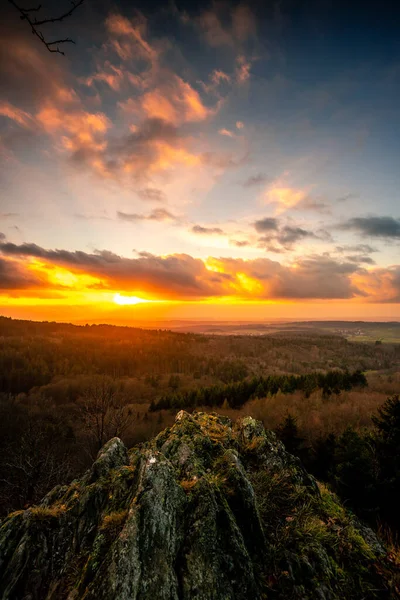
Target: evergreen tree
{"x": 288, "y": 433}
{"x": 387, "y": 424}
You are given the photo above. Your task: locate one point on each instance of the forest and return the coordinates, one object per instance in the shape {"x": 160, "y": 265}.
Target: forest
{"x": 65, "y": 390}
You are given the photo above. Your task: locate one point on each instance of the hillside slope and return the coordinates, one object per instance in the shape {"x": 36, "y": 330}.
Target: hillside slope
{"x": 208, "y": 510}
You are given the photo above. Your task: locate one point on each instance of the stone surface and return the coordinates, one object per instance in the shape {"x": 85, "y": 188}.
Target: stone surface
{"x": 208, "y": 510}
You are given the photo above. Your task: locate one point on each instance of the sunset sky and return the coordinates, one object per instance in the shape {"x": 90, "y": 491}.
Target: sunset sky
{"x": 228, "y": 161}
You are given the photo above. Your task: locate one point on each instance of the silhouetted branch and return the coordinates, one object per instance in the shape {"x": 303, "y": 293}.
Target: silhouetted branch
{"x": 34, "y": 23}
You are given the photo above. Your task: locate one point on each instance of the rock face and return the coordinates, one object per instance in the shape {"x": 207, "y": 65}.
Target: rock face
{"x": 208, "y": 510}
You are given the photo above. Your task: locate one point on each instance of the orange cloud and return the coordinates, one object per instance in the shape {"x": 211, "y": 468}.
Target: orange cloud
{"x": 185, "y": 277}
{"x": 175, "y": 101}
{"x": 285, "y": 196}
{"x": 110, "y": 74}
{"x": 13, "y": 113}
{"x": 242, "y": 69}
{"x": 78, "y": 128}
{"x": 132, "y": 37}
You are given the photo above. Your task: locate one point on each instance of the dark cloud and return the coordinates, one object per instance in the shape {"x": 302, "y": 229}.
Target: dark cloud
{"x": 207, "y": 230}
{"x": 172, "y": 275}
{"x": 100, "y": 217}
{"x": 290, "y": 235}
{"x": 313, "y": 204}
{"x": 361, "y": 259}
{"x": 346, "y": 198}
{"x": 320, "y": 277}
{"x": 239, "y": 243}
{"x": 152, "y": 194}
{"x": 158, "y": 214}
{"x": 276, "y": 237}
{"x": 358, "y": 248}
{"x": 16, "y": 277}
{"x": 383, "y": 227}
{"x": 267, "y": 224}
{"x": 255, "y": 180}
{"x": 182, "y": 276}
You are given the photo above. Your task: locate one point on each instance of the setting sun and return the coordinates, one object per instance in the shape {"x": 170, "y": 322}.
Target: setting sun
{"x": 126, "y": 300}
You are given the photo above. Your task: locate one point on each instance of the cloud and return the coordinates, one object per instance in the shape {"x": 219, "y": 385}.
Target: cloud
{"x": 109, "y": 74}
{"x": 158, "y": 214}
{"x": 314, "y": 204}
{"x": 243, "y": 66}
{"x": 77, "y": 129}
{"x": 346, "y": 198}
{"x": 155, "y": 145}
{"x": 223, "y": 28}
{"x": 359, "y": 248}
{"x": 226, "y": 132}
{"x": 184, "y": 277}
{"x": 267, "y": 224}
{"x": 255, "y": 180}
{"x": 289, "y": 235}
{"x": 15, "y": 277}
{"x": 361, "y": 259}
{"x": 27, "y": 74}
{"x": 172, "y": 99}
{"x": 175, "y": 101}
{"x": 284, "y": 196}
{"x": 152, "y": 194}
{"x": 17, "y": 115}
{"x": 207, "y": 230}
{"x": 277, "y": 237}
{"x": 239, "y": 243}
{"x": 379, "y": 227}
{"x": 129, "y": 37}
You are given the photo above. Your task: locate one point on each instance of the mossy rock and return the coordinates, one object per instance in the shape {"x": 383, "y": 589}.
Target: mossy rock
{"x": 208, "y": 510}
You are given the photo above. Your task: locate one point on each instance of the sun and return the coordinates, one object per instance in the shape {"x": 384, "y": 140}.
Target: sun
{"x": 126, "y": 300}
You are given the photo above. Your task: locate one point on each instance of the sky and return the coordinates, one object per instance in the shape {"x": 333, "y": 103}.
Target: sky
{"x": 226, "y": 161}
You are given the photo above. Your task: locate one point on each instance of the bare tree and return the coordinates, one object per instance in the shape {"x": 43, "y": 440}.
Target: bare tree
{"x": 103, "y": 412}
{"x": 35, "y": 463}
{"x": 35, "y": 23}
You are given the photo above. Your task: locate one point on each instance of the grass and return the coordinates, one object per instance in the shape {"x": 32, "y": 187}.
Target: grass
{"x": 113, "y": 522}
{"x": 41, "y": 513}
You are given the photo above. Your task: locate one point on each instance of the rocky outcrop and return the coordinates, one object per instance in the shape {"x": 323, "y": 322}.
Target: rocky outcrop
{"x": 208, "y": 510}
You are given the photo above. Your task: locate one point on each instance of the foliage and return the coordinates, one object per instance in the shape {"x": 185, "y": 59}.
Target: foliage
{"x": 240, "y": 393}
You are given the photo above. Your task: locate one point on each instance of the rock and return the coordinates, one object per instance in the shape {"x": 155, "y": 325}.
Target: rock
{"x": 208, "y": 510}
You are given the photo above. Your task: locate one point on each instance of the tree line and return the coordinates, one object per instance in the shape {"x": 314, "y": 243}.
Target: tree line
{"x": 235, "y": 395}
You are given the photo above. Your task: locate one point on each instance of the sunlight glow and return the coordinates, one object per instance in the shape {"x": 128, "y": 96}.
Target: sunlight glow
{"x": 125, "y": 300}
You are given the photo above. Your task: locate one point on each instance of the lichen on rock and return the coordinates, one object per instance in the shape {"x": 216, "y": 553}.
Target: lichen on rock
{"x": 208, "y": 510}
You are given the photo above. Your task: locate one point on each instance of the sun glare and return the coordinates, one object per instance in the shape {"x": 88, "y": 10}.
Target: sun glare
{"x": 126, "y": 300}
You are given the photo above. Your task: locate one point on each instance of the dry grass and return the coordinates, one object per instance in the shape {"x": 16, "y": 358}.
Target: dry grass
{"x": 113, "y": 522}
{"x": 188, "y": 484}
{"x": 40, "y": 513}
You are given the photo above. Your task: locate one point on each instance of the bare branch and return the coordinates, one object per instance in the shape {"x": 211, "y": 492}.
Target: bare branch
{"x": 25, "y": 15}
{"x": 60, "y": 18}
